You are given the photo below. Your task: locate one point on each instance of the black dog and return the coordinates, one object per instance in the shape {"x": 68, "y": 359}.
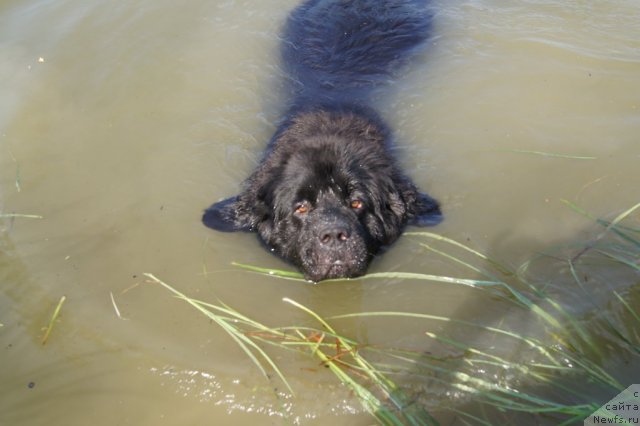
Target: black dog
{"x": 328, "y": 194}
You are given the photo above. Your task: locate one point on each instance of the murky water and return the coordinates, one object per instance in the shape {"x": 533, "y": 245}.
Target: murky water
{"x": 121, "y": 121}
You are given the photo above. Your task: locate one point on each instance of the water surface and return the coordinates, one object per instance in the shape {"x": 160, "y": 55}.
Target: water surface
{"x": 121, "y": 121}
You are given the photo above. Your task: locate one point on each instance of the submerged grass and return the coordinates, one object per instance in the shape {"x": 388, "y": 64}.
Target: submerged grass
{"x": 52, "y": 321}
{"x": 20, "y": 215}
{"x": 551, "y": 154}
{"x": 567, "y": 356}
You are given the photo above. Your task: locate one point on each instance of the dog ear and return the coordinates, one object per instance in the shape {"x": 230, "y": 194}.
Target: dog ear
{"x": 425, "y": 211}
{"x": 228, "y": 215}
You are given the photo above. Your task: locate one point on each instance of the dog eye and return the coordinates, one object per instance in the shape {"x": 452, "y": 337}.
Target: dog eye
{"x": 357, "y": 204}
{"x": 301, "y": 208}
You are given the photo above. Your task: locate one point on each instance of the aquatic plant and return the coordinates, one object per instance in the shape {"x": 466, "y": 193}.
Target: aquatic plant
{"x": 570, "y": 367}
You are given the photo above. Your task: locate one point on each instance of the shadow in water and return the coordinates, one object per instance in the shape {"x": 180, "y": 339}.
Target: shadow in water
{"x": 564, "y": 343}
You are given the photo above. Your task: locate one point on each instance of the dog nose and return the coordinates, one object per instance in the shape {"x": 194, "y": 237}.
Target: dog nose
{"x": 334, "y": 235}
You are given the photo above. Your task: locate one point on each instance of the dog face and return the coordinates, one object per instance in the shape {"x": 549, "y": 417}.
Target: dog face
{"x": 326, "y": 200}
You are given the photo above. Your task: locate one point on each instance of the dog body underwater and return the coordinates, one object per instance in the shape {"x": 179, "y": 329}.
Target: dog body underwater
{"x": 328, "y": 194}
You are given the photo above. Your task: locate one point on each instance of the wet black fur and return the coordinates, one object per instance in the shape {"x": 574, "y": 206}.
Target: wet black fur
{"x": 328, "y": 194}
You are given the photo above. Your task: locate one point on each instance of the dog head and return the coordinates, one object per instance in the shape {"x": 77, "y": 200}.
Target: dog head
{"x": 326, "y": 198}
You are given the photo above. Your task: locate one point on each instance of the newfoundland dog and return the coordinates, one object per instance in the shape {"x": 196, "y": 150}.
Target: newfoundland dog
{"x": 328, "y": 194}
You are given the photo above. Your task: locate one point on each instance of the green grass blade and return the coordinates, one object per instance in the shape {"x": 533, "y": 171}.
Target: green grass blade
{"x": 290, "y": 275}
{"x": 240, "y": 338}
{"x": 458, "y": 261}
{"x": 582, "y": 333}
{"x": 613, "y": 225}
{"x": 455, "y": 243}
{"x": 53, "y": 319}
{"x": 428, "y": 277}
{"x": 628, "y": 307}
{"x": 551, "y": 154}
{"x": 20, "y": 215}
{"x": 632, "y": 264}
